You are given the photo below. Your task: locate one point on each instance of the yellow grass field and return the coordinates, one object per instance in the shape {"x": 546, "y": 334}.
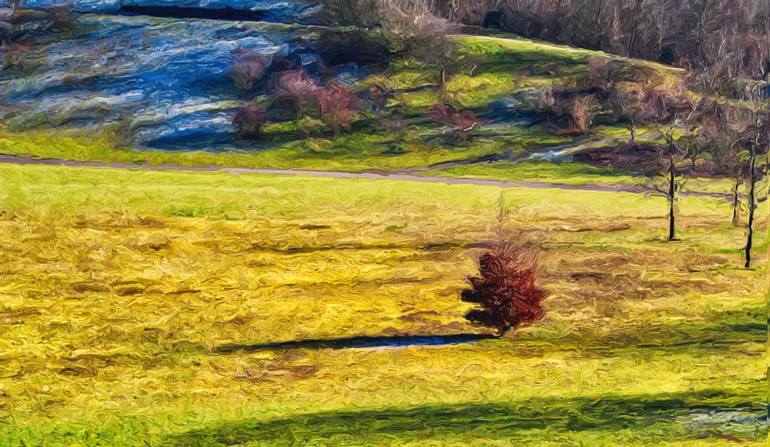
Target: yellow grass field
{"x": 131, "y": 302}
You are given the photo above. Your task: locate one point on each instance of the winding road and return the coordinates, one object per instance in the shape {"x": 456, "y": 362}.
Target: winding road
{"x": 371, "y": 175}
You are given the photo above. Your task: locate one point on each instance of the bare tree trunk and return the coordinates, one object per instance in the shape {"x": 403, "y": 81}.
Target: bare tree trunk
{"x": 736, "y": 201}
{"x": 442, "y": 83}
{"x": 632, "y": 129}
{"x": 671, "y": 198}
{"x": 752, "y": 206}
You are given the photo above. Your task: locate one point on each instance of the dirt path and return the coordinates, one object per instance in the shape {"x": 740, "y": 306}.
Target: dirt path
{"x": 13, "y": 159}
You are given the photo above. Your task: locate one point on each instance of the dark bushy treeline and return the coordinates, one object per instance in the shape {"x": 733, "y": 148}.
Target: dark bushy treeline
{"x": 688, "y": 33}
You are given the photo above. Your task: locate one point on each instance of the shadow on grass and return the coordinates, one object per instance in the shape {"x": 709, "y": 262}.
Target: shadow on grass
{"x": 722, "y": 331}
{"x": 719, "y": 332}
{"x": 428, "y": 246}
{"x": 359, "y": 342}
{"x": 651, "y": 416}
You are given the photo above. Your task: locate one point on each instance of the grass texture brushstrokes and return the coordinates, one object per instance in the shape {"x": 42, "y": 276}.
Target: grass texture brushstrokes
{"x": 356, "y": 223}
{"x": 120, "y": 288}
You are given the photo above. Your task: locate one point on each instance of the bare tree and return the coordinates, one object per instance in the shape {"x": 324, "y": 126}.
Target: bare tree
{"x": 721, "y": 140}
{"x": 757, "y": 124}
{"x": 610, "y": 80}
{"x": 678, "y": 136}
{"x": 626, "y": 104}
{"x": 426, "y": 38}
{"x": 575, "y": 108}
{"x": 248, "y": 67}
{"x": 360, "y": 14}
{"x": 248, "y": 121}
{"x": 459, "y": 124}
{"x": 298, "y": 89}
{"x": 668, "y": 156}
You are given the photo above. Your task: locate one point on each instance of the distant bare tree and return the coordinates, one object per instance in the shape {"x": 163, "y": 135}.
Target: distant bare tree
{"x": 622, "y": 86}
{"x": 580, "y": 109}
{"x": 248, "y": 121}
{"x": 427, "y": 39}
{"x": 406, "y": 25}
{"x": 721, "y": 140}
{"x": 756, "y": 123}
{"x": 626, "y": 104}
{"x": 62, "y": 18}
{"x": 568, "y": 104}
{"x": 670, "y": 153}
{"x": 738, "y": 134}
{"x": 361, "y": 14}
{"x": 397, "y": 124}
{"x": 248, "y": 67}
{"x": 678, "y": 141}
{"x": 298, "y": 89}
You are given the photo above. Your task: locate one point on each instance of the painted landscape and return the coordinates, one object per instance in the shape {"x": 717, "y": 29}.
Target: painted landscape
{"x": 384, "y": 223}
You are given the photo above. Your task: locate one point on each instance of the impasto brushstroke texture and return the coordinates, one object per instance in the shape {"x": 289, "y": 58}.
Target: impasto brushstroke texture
{"x": 379, "y": 222}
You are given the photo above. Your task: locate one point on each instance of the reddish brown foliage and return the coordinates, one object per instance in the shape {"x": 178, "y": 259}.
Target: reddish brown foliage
{"x": 338, "y": 106}
{"x": 660, "y": 106}
{"x": 249, "y": 120}
{"x": 299, "y": 88}
{"x": 297, "y": 82}
{"x": 506, "y": 290}
{"x": 573, "y": 107}
{"x": 460, "y": 123}
{"x": 62, "y": 18}
{"x": 581, "y": 113}
{"x": 447, "y": 115}
{"x": 14, "y": 54}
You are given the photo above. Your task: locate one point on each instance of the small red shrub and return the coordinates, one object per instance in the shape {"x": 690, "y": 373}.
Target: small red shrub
{"x": 449, "y": 116}
{"x": 460, "y": 123}
{"x": 506, "y": 290}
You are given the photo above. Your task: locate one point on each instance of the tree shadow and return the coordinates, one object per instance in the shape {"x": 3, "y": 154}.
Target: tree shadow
{"x": 720, "y": 331}
{"x": 359, "y": 342}
{"x": 428, "y": 246}
{"x": 507, "y": 421}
